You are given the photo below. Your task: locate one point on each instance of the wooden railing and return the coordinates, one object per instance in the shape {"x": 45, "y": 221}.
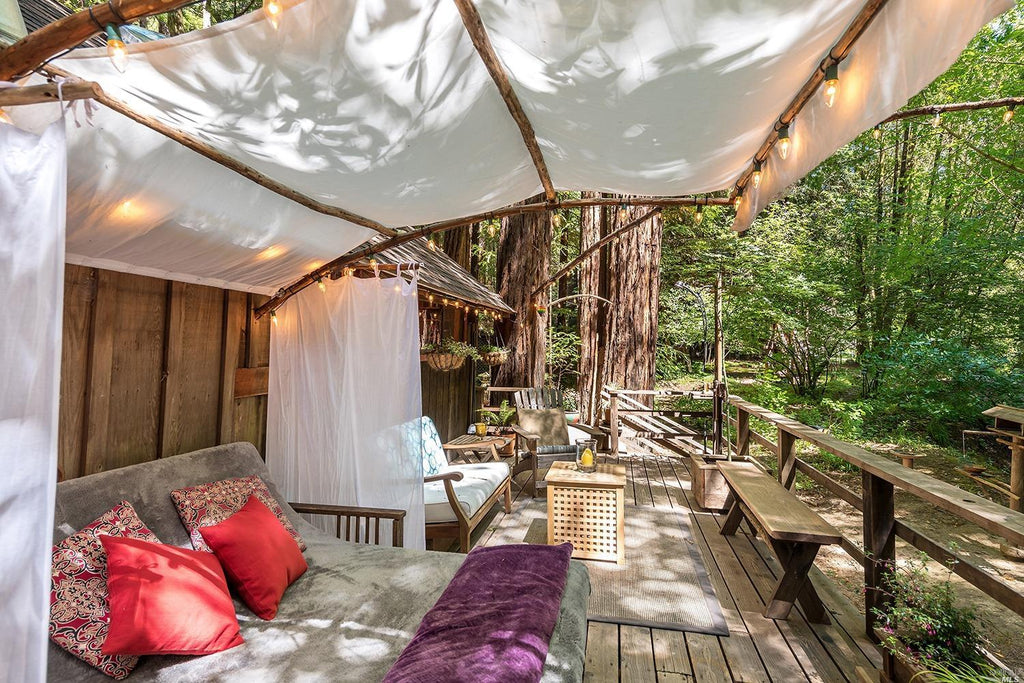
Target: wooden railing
{"x": 358, "y": 522}
{"x": 626, "y": 407}
{"x": 880, "y": 476}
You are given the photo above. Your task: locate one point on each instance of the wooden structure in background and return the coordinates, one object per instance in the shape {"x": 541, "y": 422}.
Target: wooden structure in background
{"x": 1009, "y": 426}
{"x": 149, "y": 369}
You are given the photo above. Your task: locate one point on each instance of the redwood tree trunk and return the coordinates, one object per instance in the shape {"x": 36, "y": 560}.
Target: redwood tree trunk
{"x": 458, "y": 245}
{"x": 633, "y": 286}
{"x": 524, "y": 258}
{"x": 592, "y": 312}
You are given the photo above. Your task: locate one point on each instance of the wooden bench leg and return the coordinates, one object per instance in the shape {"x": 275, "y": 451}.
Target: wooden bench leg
{"x": 508, "y": 496}
{"x": 733, "y": 519}
{"x": 796, "y": 559}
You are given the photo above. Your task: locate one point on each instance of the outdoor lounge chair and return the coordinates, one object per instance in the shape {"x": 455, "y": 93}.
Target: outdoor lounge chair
{"x": 457, "y": 496}
{"x": 545, "y": 434}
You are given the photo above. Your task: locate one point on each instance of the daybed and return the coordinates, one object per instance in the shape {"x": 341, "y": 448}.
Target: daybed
{"x": 347, "y": 619}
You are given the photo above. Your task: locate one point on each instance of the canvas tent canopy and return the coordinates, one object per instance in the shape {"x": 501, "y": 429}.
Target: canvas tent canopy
{"x": 387, "y": 110}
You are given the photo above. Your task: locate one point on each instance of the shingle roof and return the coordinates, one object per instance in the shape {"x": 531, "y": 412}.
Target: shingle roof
{"x": 39, "y": 13}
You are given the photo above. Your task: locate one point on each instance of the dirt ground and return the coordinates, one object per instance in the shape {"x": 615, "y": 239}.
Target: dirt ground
{"x": 1003, "y": 628}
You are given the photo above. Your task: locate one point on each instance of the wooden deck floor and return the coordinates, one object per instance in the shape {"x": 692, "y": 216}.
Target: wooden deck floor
{"x": 742, "y": 571}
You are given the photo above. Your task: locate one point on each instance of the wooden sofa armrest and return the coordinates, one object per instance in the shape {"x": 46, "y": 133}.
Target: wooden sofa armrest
{"x": 357, "y": 518}
{"x": 593, "y": 431}
{"x": 530, "y": 437}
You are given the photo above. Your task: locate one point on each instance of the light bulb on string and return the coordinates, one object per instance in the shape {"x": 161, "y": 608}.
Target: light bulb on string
{"x": 320, "y": 284}
{"x": 430, "y": 244}
{"x": 784, "y": 142}
{"x": 556, "y": 220}
{"x": 1008, "y": 114}
{"x": 877, "y": 132}
{"x": 937, "y": 120}
{"x": 272, "y": 10}
{"x": 273, "y": 317}
{"x": 831, "y": 88}
{"x": 698, "y": 215}
{"x": 116, "y": 49}
{"x": 755, "y": 177}
{"x": 738, "y": 199}
{"x": 491, "y": 230}
{"x": 623, "y": 213}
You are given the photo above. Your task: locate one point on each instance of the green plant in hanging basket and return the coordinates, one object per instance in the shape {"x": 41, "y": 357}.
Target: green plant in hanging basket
{"x": 493, "y": 355}
{"x": 448, "y": 354}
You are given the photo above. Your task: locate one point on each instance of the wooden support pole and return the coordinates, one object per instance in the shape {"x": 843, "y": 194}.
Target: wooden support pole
{"x": 787, "y": 458}
{"x": 742, "y": 432}
{"x": 482, "y": 42}
{"x": 879, "y": 545}
{"x": 47, "y": 92}
{"x": 837, "y": 54}
{"x": 32, "y": 51}
{"x": 719, "y": 386}
{"x": 613, "y": 421}
{"x": 407, "y": 236}
{"x": 229, "y": 162}
{"x": 933, "y": 109}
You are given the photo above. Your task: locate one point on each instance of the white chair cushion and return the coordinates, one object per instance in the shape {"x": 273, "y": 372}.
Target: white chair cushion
{"x": 479, "y": 480}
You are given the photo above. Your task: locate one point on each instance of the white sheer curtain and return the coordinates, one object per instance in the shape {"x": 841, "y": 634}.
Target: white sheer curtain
{"x": 344, "y": 404}
{"x": 33, "y": 187}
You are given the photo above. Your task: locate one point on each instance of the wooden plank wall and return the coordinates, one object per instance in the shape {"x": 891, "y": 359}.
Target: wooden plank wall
{"x": 148, "y": 369}
{"x": 447, "y": 399}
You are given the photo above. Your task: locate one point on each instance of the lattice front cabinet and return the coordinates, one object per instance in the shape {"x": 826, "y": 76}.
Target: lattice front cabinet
{"x": 589, "y": 518}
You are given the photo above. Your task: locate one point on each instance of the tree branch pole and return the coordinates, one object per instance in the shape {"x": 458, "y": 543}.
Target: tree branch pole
{"x": 485, "y": 50}
{"x": 594, "y": 247}
{"x": 837, "y": 54}
{"x": 48, "y": 92}
{"x": 371, "y": 249}
{"x": 21, "y": 58}
{"x": 933, "y": 109}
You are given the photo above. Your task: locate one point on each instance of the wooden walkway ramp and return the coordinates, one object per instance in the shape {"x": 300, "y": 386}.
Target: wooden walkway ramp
{"x": 743, "y": 572}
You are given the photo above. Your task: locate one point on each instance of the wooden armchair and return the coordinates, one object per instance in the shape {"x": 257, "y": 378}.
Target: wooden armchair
{"x": 358, "y": 521}
{"x": 545, "y": 435}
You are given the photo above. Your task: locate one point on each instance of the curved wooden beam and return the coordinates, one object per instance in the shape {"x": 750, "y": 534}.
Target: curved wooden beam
{"x": 482, "y": 42}
{"x": 933, "y": 109}
{"x": 369, "y": 250}
{"x": 21, "y": 58}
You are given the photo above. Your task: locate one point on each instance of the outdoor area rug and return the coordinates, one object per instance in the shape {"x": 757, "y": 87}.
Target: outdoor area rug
{"x": 662, "y": 585}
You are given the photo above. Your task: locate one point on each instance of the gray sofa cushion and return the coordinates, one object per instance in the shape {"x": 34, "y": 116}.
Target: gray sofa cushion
{"x": 346, "y": 619}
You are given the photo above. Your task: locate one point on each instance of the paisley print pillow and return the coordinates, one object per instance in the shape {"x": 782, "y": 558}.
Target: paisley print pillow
{"x": 208, "y": 504}
{"x": 79, "y": 606}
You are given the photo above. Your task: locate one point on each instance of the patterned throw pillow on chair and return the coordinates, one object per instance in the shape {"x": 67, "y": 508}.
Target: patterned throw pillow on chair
{"x": 79, "y": 599}
{"x": 212, "y": 503}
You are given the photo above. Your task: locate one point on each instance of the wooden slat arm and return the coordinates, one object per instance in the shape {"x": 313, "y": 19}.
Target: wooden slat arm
{"x": 357, "y": 513}
{"x": 593, "y": 431}
{"x": 444, "y": 476}
{"x": 529, "y": 436}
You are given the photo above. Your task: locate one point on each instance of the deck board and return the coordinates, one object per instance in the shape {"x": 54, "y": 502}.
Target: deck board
{"x": 742, "y": 571}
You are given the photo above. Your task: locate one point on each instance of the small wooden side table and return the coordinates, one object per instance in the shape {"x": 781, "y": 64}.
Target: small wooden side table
{"x": 471, "y": 443}
{"x": 586, "y": 509}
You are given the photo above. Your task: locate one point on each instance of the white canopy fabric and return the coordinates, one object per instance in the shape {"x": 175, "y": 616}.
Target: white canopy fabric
{"x": 386, "y": 110}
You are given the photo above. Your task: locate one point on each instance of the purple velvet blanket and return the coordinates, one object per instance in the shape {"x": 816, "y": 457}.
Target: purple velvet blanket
{"x": 494, "y": 620}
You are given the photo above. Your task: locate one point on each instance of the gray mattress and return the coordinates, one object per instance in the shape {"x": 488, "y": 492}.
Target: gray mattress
{"x": 346, "y": 619}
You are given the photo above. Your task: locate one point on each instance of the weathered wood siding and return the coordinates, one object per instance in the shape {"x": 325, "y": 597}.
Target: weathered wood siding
{"x": 447, "y": 399}
{"x": 148, "y": 369}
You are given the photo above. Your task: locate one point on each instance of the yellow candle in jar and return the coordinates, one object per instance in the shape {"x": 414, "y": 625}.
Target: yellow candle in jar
{"x": 587, "y": 458}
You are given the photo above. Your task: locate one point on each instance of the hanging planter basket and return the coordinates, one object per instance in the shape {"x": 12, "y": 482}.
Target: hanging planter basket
{"x": 493, "y": 358}
{"x": 444, "y": 362}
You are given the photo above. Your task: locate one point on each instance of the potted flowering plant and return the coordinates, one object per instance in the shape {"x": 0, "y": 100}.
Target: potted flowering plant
{"x": 501, "y": 421}
{"x": 448, "y": 354}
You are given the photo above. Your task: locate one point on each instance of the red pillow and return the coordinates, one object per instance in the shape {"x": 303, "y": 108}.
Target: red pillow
{"x": 258, "y": 554}
{"x": 212, "y": 503}
{"x": 166, "y": 600}
{"x": 79, "y": 608}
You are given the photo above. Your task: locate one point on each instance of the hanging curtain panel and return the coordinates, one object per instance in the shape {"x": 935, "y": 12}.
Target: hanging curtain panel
{"x": 33, "y": 185}
{"x": 344, "y": 404}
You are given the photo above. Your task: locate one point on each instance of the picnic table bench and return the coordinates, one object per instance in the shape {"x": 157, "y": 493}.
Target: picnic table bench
{"x": 794, "y": 531}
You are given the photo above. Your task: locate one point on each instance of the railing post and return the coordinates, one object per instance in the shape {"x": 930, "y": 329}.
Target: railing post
{"x": 879, "y": 545}
{"x": 613, "y": 419}
{"x": 742, "y": 432}
{"x": 787, "y": 458}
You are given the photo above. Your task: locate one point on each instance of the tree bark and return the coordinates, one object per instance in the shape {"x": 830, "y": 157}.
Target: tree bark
{"x": 458, "y": 245}
{"x": 523, "y": 261}
{"x": 592, "y": 312}
{"x": 633, "y": 288}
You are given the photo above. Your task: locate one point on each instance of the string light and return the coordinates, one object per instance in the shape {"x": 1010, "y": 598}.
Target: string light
{"x": 698, "y": 215}
{"x": 430, "y": 298}
{"x": 755, "y": 177}
{"x": 430, "y": 244}
{"x": 831, "y": 88}
{"x": 272, "y": 9}
{"x": 373, "y": 263}
{"x": 738, "y": 199}
{"x": 4, "y": 118}
{"x": 273, "y": 317}
{"x": 320, "y": 284}
{"x": 937, "y": 120}
{"x": 623, "y": 214}
{"x": 877, "y": 132}
{"x": 1008, "y": 114}
{"x": 347, "y": 272}
{"x": 784, "y": 142}
{"x": 116, "y": 50}
{"x": 556, "y": 220}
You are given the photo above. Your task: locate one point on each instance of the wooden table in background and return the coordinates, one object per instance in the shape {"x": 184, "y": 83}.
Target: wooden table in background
{"x": 586, "y": 509}
{"x": 471, "y": 443}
